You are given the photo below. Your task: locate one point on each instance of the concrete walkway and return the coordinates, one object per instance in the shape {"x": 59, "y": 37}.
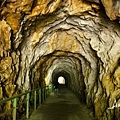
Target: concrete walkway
{"x": 61, "y": 106}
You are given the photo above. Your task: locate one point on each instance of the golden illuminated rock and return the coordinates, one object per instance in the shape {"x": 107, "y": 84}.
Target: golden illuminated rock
{"x": 112, "y": 8}
{"x": 5, "y": 42}
{"x": 13, "y": 22}
{"x": 78, "y": 7}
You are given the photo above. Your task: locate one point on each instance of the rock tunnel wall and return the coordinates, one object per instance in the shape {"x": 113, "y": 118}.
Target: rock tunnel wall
{"x": 40, "y": 40}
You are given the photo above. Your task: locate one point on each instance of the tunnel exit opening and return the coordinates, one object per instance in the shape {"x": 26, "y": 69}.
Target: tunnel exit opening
{"x": 60, "y": 77}
{"x": 61, "y": 80}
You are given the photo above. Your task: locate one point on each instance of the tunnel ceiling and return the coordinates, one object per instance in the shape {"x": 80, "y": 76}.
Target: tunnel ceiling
{"x": 79, "y": 39}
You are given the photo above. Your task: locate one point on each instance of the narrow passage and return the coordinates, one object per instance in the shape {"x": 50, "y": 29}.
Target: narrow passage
{"x": 62, "y": 106}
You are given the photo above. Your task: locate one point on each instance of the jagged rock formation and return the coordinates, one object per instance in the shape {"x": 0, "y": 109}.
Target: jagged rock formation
{"x": 41, "y": 40}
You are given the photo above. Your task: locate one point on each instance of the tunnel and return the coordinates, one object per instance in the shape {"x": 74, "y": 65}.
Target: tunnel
{"x": 76, "y": 39}
{"x": 65, "y": 75}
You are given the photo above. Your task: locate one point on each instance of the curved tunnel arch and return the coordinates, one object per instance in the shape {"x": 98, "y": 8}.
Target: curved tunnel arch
{"x": 76, "y": 35}
{"x": 38, "y": 30}
{"x": 67, "y": 64}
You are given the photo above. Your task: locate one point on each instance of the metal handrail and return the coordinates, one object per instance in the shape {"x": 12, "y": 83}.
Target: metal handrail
{"x": 16, "y": 96}
{"x": 42, "y": 94}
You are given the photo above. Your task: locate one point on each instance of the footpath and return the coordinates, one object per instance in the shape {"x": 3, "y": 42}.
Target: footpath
{"x": 63, "y": 105}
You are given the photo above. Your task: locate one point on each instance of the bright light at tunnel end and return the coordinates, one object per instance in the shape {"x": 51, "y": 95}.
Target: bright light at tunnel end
{"x": 61, "y": 80}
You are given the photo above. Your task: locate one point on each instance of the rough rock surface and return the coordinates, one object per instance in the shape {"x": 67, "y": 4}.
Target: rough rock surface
{"x": 41, "y": 40}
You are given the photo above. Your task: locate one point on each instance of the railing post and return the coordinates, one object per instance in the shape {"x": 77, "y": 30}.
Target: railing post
{"x": 14, "y": 108}
{"x": 43, "y": 93}
{"x": 51, "y": 88}
{"x": 46, "y": 92}
{"x": 40, "y": 96}
{"x": 27, "y": 105}
{"x": 35, "y": 100}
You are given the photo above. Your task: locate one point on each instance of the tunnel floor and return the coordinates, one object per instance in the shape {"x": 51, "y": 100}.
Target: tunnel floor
{"x": 62, "y": 106}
